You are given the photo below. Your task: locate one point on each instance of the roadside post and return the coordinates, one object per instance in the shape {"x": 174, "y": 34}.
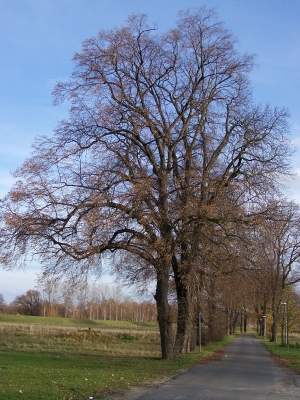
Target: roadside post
{"x": 200, "y": 318}
{"x": 200, "y": 332}
{"x": 285, "y": 324}
{"x": 265, "y": 326}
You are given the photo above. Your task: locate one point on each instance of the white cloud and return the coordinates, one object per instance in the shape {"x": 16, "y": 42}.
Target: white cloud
{"x": 293, "y": 185}
{"x": 6, "y": 181}
{"x": 296, "y": 140}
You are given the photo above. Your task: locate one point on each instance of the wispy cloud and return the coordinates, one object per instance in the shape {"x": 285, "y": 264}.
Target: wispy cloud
{"x": 6, "y": 181}
{"x": 296, "y": 141}
{"x": 293, "y": 185}
{"x": 15, "y": 283}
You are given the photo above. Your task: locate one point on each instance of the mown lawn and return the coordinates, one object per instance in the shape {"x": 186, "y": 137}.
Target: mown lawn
{"x": 42, "y": 358}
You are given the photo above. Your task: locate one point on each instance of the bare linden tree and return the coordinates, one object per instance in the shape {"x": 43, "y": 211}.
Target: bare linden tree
{"x": 163, "y": 151}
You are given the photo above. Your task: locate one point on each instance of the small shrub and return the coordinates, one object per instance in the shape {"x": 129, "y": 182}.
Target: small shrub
{"x": 127, "y": 337}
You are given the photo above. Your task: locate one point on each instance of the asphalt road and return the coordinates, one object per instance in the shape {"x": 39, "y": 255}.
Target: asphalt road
{"x": 245, "y": 372}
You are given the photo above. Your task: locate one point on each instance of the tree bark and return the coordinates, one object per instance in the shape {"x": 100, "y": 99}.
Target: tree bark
{"x": 186, "y": 314}
{"x": 164, "y": 316}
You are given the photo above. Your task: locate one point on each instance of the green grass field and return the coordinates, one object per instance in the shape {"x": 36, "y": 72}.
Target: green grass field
{"x": 69, "y": 322}
{"x": 57, "y": 358}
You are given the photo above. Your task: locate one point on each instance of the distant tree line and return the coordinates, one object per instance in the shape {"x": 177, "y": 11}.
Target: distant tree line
{"x": 229, "y": 304}
{"x": 103, "y": 302}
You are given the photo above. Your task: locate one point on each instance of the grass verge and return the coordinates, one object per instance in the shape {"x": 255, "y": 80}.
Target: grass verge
{"x": 67, "y": 362}
{"x": 285, "y": 356}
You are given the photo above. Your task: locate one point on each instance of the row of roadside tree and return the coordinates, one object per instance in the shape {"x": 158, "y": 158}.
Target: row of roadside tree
{"x": 229, "y": 304}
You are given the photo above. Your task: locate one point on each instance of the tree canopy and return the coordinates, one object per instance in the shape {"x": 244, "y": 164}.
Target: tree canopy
{"x": 163, "y": 158}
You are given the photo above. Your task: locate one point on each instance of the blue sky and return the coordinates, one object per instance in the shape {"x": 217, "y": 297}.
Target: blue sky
{"x": 39, "y": 38}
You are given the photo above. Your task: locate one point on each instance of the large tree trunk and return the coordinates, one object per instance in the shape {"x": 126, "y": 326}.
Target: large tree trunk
{"x": 164, "y": 316}
{"x": 184, "y": 320}
{"x": 185, "y": 289}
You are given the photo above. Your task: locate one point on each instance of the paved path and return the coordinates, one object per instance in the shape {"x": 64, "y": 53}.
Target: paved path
{"x": 245, "y": 372}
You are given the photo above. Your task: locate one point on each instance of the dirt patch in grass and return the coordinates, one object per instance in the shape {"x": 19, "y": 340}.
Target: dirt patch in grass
{"x": 217, "y": 355}
{"x": 282, "y": 361}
